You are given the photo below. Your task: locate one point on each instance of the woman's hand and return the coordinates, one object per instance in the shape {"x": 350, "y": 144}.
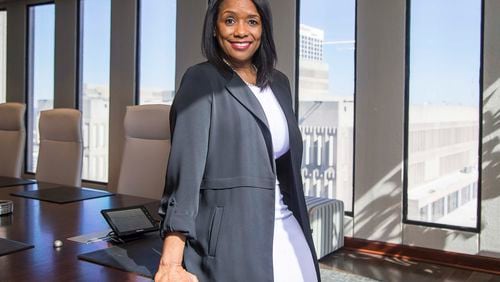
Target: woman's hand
{"x": 174, "y": 273}
{"x": 170, "y": 269}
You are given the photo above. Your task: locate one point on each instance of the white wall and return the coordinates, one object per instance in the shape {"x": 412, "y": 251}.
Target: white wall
{"x": 122, "y": 83}
{"x": 489, "y": 244}
{"x": 65, "y": 67}
{"x": 379, "y": 120}
{"x": 16, "y": 46}
{"x": 190, "y": 16}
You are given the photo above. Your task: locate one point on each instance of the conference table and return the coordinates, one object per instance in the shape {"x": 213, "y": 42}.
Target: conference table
{"x": 39, "y": 223}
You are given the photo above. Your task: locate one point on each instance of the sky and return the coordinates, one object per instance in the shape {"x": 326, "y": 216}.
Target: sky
{"x": 43, "y": 51}
{"x": 444, "y": 53}
{"x": 96, "y": 24}
{"x": 336, "y": 18}
{"x": 157, "y": 53}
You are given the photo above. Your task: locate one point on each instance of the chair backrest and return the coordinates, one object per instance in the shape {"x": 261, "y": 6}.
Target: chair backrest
{"x": 12, "y": 139}
{"x": 61, "y": 147}
{"x": 145, "y": 154}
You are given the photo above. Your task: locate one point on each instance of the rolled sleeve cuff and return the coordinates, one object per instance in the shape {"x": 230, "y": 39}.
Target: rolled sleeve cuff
{"x": 176, "y": 221}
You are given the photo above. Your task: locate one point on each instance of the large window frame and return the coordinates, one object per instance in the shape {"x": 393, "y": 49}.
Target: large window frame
{"x": 296, "y": 82}
{"x": 28, "y": 152}
{"x": 406, "y": 220}
{"x": 79, "y": 82}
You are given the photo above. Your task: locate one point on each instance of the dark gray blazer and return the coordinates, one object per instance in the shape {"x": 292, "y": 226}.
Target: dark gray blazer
{"x": 221, "y": 176}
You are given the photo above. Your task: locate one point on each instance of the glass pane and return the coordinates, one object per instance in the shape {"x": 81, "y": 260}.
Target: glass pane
{"x": 41, "y": 37}
{"x": 444, "y": 111}
{"x": 3, "y": 54}
{"x": 94, "y": 101}
{"x": 326, "y": 97}
{"x": 157, "y": 47}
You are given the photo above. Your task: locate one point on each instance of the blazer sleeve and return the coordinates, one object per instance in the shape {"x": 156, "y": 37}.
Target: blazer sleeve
{"x": 189, "y": 125}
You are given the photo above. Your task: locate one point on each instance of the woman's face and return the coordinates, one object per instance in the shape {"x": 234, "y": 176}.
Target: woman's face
{"x": 238, "y": 31}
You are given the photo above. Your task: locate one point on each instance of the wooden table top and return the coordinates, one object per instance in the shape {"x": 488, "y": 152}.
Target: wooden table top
{"x": 40, "y": 223}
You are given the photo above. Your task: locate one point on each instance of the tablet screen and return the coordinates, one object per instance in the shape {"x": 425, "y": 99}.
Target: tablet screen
{"x": 129, "y": 220}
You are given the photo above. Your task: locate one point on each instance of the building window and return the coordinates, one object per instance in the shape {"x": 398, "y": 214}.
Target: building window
{"x": 465, "y": 192}
{"x": 443, "y": 115}
{"x": 94, "y": 98}
{"x": 157, "y": 51}
{"x": 40, "y": 83}
{"x": 452, "y": 202}
{"x": 326, "y": 97}
{"x": 3, "y": 55}
{"x": 438, "y": 209}
{"x": 424, "y": 213}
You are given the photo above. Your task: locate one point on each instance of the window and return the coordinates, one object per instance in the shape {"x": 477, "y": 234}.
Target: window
{"x": 40, "y": 83}
{"x": 466, "y": 195}
{"x": 443, "y": 95}
{"x": 452, "y": 201}
{"x": 3, "y": 55}
{"x": 94, "y": 99}
{"x": 326, "y": 97}
{"x": 424, "y": 213}
{"x": 157, "y": 51}
{"x": 437, "y": 209}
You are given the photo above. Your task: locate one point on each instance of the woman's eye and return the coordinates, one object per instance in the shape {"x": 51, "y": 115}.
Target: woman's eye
{"x": 229, "y": 21}
{"x": 253, "y": 22}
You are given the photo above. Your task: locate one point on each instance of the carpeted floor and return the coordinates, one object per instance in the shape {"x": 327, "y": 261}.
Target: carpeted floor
{"x": 335, "y": 275}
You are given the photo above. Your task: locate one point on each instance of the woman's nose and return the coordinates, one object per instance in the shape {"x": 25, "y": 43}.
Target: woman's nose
{"x": 240, "y": 30}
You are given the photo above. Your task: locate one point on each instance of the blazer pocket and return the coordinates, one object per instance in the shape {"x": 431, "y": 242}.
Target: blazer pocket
{"x": 215, "y": 226}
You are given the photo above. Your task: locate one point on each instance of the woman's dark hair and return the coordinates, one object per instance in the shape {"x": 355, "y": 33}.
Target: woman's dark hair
{"x": 264, "y": 58}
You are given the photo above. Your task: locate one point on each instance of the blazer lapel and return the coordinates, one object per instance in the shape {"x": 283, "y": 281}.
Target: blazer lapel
{"x": 240, "y": 91}
{"x": 243, "y": 94}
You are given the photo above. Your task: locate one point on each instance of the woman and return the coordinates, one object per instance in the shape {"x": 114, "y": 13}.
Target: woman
{"x": 233, "y": 207}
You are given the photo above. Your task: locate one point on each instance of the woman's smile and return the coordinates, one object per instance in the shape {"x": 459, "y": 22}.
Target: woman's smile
{"x": 240, "y": 46}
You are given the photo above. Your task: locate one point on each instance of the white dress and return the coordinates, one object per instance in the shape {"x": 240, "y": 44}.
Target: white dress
{"x": 292, "y": 259}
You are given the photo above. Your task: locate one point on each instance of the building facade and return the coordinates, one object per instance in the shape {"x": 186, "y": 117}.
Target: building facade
{"x": 442, "y": 164}
{"x": 326, "y": 123}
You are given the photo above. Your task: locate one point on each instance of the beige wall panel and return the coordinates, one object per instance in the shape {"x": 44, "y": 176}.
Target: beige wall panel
{"x": 490, "y": 202}
{"x": 122, "y": 79}
{"x": 441, "y": 239}
{"x": 65, "y": 77}
{"x": 284, "y": 36}
{"x": 379, "y": 120}
{"x": 16, "y": 52}
{"x": 190, "y": 16}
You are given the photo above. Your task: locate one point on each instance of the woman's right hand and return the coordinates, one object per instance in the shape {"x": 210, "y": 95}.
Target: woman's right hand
{"x": 174, "y": 273}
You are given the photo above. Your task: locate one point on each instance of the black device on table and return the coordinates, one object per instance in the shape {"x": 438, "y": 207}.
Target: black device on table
{"x": 130, "y": 222}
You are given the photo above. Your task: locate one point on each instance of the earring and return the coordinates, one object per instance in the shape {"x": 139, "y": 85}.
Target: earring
{"x": 214, "y": 35}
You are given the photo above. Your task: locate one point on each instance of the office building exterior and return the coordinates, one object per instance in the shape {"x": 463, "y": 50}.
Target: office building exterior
{"x": 442, "y": 164}
{"x": 326, "y": 123}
